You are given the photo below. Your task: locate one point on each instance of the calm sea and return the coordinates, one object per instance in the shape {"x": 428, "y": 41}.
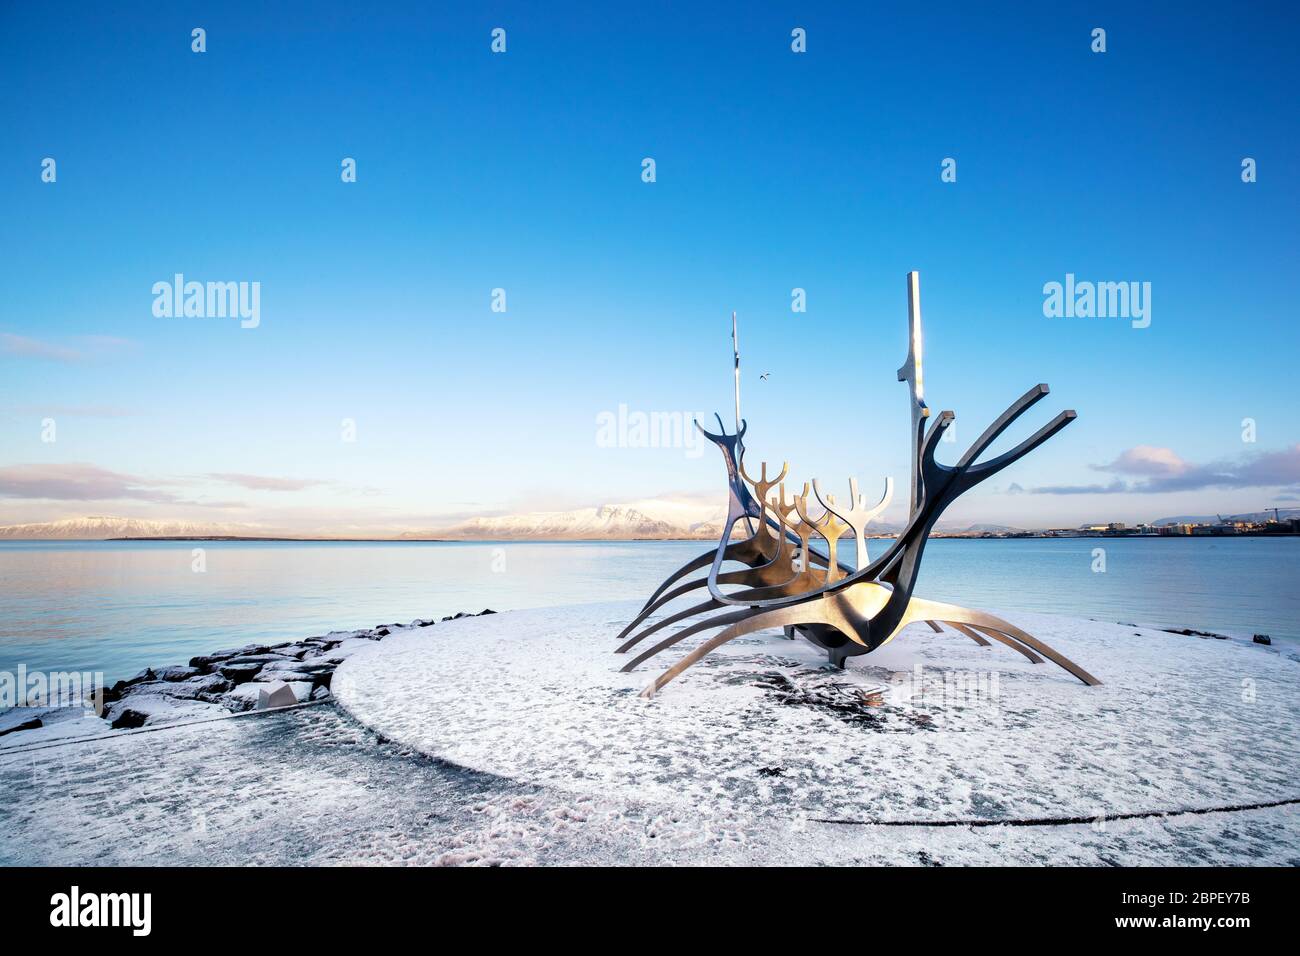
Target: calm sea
{"x": 118, "y": 607}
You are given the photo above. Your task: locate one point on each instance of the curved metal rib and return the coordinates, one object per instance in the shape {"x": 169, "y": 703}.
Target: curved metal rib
{"x": 703, "y": 561}
{"x": 1000, "y": 638}
{"x": 990, "y": 624}
{"x": 756, "y": 622}
{"x": 1011, "y": 643}
{"x": 708, "y": 605}
{"x": 729, "y": 618}
{"x": 962, "y": 629}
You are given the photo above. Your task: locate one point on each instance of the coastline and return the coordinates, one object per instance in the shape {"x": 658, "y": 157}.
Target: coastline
{"x": 267, "y": 677}
{"x": 254, "y": 677}
{"x": 881, "y": 536}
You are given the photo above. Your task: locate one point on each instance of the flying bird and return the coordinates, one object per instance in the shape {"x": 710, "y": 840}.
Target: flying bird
{"x": 764, "y": 376}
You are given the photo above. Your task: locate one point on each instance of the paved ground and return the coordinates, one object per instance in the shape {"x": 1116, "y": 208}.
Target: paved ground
{"x": 313, "y": 787}
{"x": 931, "y": 727}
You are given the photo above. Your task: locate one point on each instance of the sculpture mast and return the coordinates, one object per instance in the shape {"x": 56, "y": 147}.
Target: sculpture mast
{"x": 735, "y": 348}
{"x": 740, "y": 441}
{"x": 911, "y": 374}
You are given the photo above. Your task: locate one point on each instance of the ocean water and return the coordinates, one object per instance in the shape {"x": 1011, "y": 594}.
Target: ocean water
{"x": 117, "y": 607}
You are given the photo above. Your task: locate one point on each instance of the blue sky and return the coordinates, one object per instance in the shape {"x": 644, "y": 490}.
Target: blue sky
{"x": 522, "y": 171}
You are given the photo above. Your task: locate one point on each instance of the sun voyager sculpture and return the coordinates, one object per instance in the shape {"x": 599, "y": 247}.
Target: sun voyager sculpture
{"x": 793, "y": 577}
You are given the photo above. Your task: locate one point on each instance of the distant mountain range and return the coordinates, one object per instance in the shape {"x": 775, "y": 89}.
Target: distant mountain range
{"x": 656, "y": 518}
{"x": 659, "y": 518}
{"x": 648, "y": 519}
{"x": 103, "y": 526}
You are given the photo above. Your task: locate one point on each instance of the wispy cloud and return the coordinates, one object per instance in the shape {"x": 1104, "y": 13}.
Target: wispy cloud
{"x": 75, "y": 411}
{"x": 1147, "y": 460}
{"x": 1161, "y": 470}
{"x": 86, "y": 347}
{"x": 265, "y": 482}
{"x": 79, "y": 481}
{"x": 82, "y": 481}
{"x": 1114, "y": 488}
{"x": 11, "y": 344}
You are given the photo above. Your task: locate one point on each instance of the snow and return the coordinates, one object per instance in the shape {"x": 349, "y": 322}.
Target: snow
{"x": 738, "y": 762}
{"x": 537, "y": 696}
{"x": 180, "y": 693}
{"x": 249, "y": 696}
{"x": 155, "y": 709}
{"x": 701, "y": 518}
{"x": 103, "y": 526}
{"x": 57, "y": 723}
{"x": 312, "y": 787}
{"x": 346, "y": 648}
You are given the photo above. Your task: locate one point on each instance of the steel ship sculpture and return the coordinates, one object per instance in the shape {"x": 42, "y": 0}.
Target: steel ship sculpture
{"x": 793, "y": 576}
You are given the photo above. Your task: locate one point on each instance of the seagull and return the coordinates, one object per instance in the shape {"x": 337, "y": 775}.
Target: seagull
{"x": 764, "y": 376}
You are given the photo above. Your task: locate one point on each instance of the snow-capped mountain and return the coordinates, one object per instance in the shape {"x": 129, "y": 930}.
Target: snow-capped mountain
{"x": 102, "y": 526}
{"x": 652, "y": 518}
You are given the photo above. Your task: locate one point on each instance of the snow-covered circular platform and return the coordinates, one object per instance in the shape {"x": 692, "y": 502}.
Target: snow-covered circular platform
{"x": 930, "y": 727}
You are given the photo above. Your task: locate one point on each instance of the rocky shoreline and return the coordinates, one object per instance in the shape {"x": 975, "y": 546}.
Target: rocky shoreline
{"x": 252, "y": 677}
{"x": 256, "y": 677}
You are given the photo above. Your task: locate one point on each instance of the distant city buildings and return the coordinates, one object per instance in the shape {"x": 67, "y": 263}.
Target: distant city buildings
{"x": 1231, "y": 525}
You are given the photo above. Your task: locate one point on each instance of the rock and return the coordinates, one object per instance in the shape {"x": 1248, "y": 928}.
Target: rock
{"x": 30, "y": 723}
{"x": 216, "y": 657}
{"x": 425, "y": 623}
{"x": 276, "y": 694}
{"x": 206, "y": 687}
{"x": 1262, "y": 639}
{"x": 147, "y": 710}
{"x": 128, "y": 719}
{"x": 1192, "y": 632}
{"x": 240, "y": 673}
{"x": 267, "y": 658}
{"x": 176, "y": 672}
{"x": 346, "y": 649}
{"x": 314, "y": 667}
{"x": 243, "y": 697}
{"x": 320, "y": 693}
{"x": 268, "y": 674}
{"x": 198, "y": 687}
{"x": 302, "y": 690}
{"x": 205, "y": 662}
{"x": 48, "y": 724}
{"x": 148, "y": 687}
{"x": 382, "y": 632}
{"x": 322, "y": 644}
{"x": 486, "y": 610}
